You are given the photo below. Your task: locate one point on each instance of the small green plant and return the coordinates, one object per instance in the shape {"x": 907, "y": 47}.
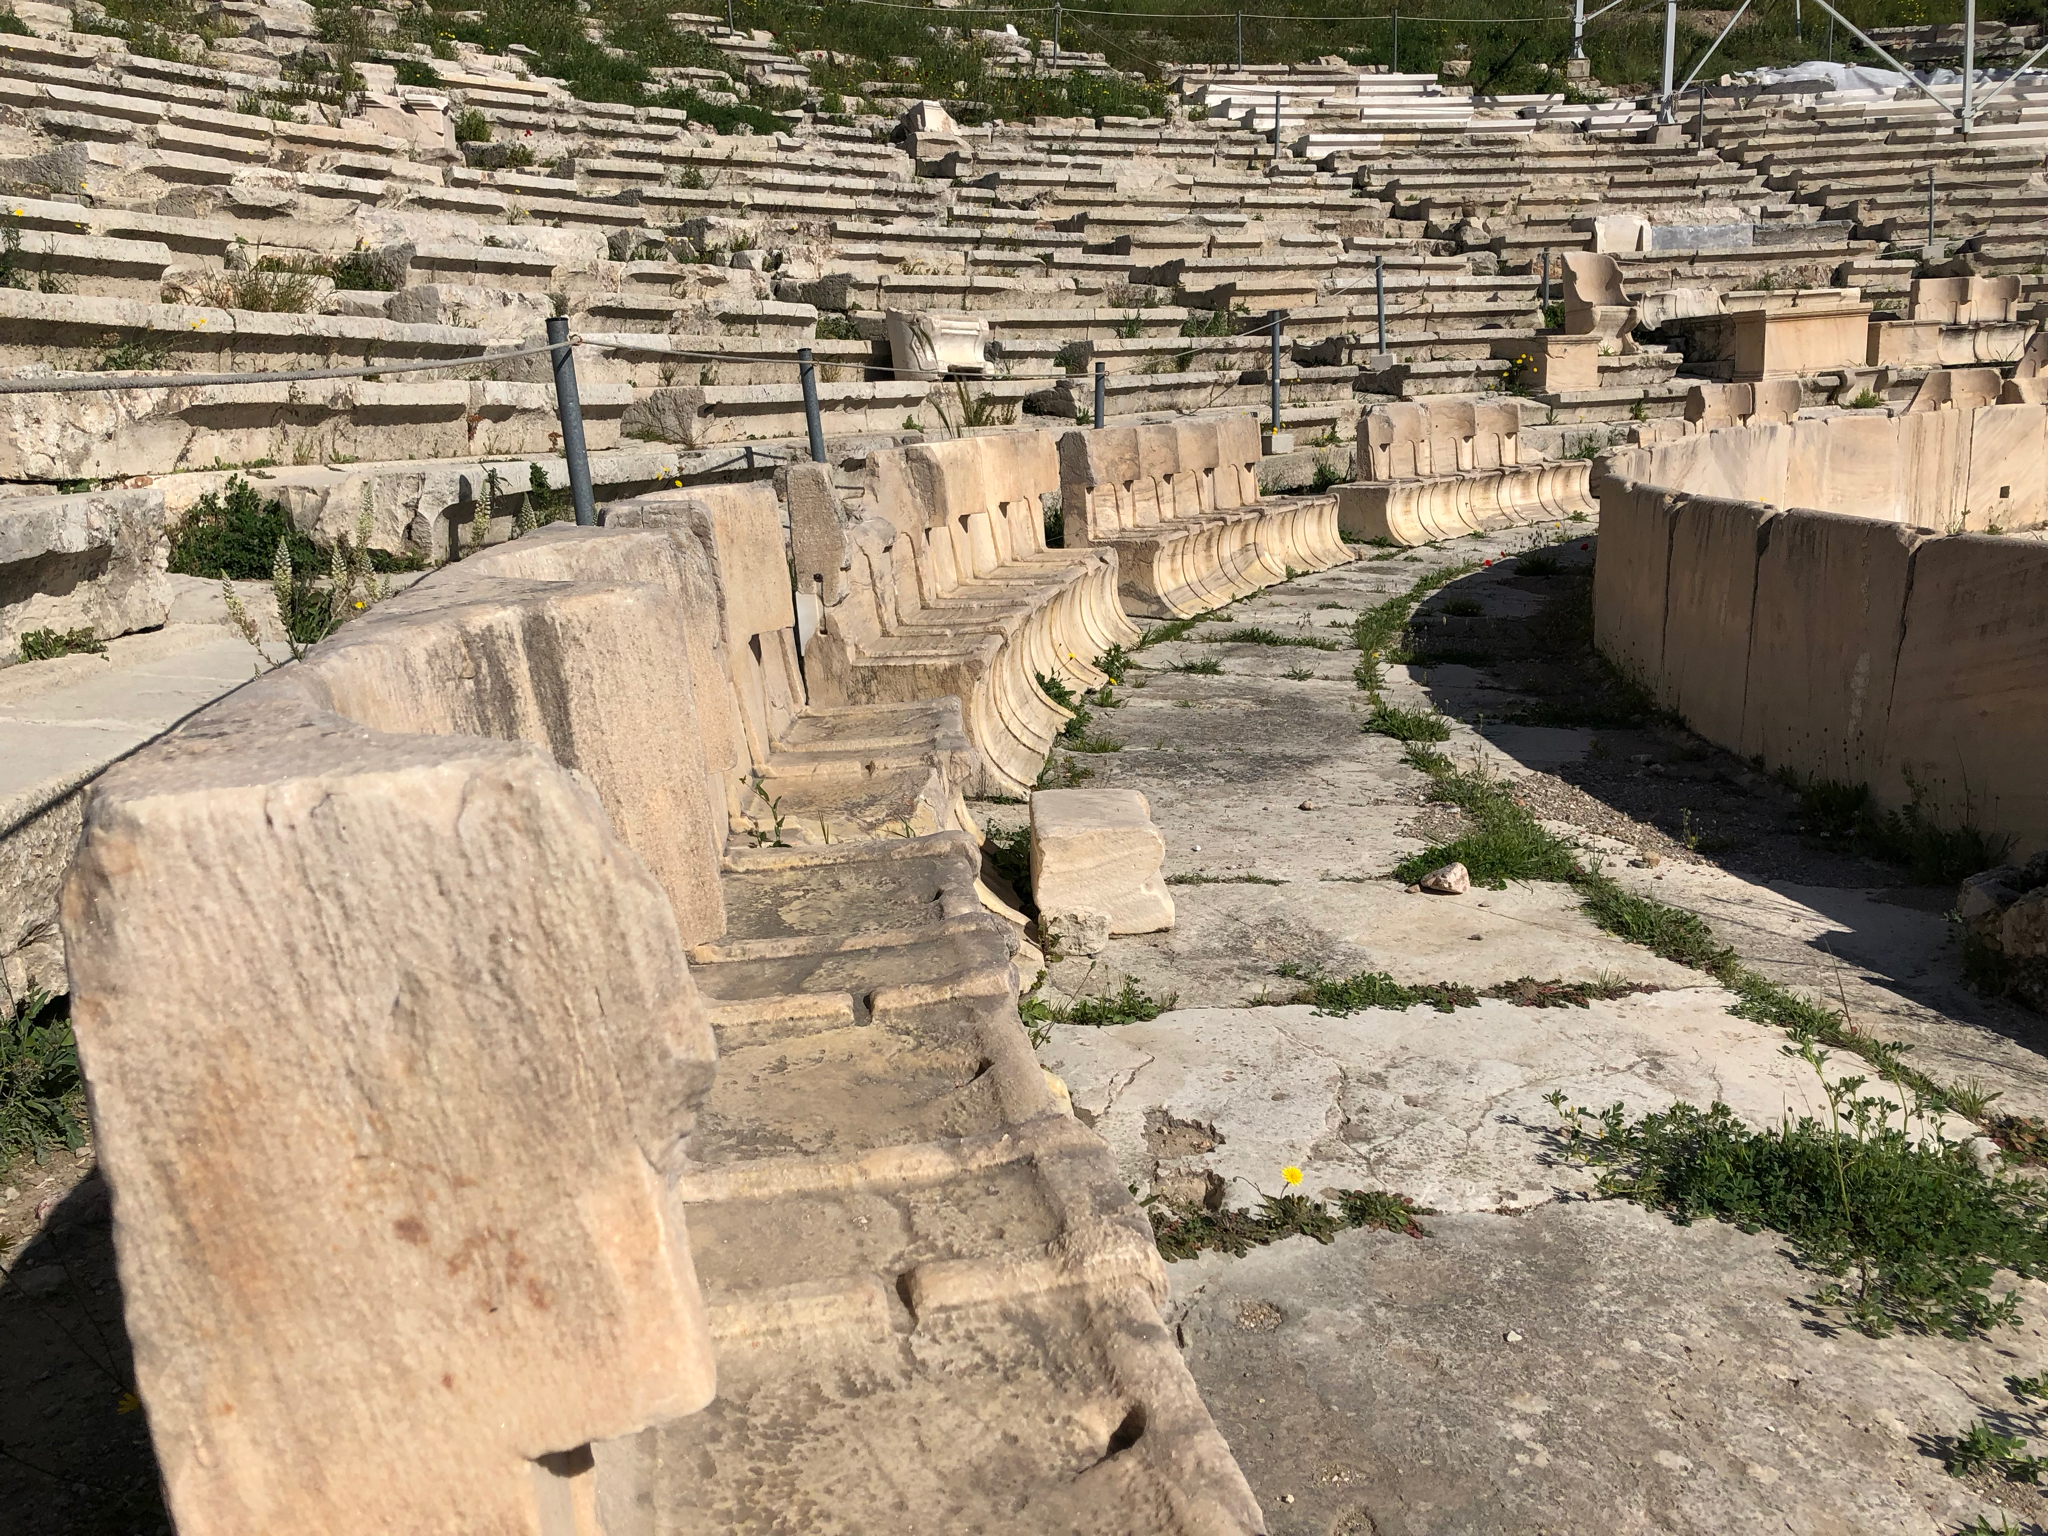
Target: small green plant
{"x": 261, "y": 290}
{"x": 1553, "y": 315}
{"x": 1506, "y": 842}
{"x": 1209, "y": 322}
{"x": 1325, "y": 476}
{"x": 1536, "y": 565}
{"x": 1258, "y": 635}
{"x": 472, "y": 127}
{"x": 308, "y": 609}
{"x": 1200, "y": 877}
{"x": 1131, "y": 327}
{"x": 1981, "y": 1448}
{"x": 49, "y": 644}
{"x": 1207, "y": 666}
{"x": 1866, "y": 400}
{"x": 137, "y": 354}
{"x": 1174, "y": 629}
{"x": 235, "y": 534}
{"x": 1299, "y": 674}
{"x": 836, "y": 327}
{"x": 1845, "y": 815}
{"x": 1130, "y": 1004}
{"x": 1378, "y": 989}
{"x": 1114, "y": 663}
{"x": 417, "y": 72}
{"x": 984, "y": 409}
{"x": 1183, "y": 1229}
{"x": 769, "y": 836}
{"x": 42, "y": 1098}
{"x": 1901, "y": 1223}
{"x": 365, "y": 271}
{"x": 1407, "y": 724}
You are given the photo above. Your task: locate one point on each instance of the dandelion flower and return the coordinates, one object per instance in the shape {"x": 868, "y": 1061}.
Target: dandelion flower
{"x": 1291, "y": 1174}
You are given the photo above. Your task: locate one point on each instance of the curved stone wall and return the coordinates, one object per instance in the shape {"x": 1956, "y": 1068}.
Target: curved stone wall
{"x": 1825, "y": 594}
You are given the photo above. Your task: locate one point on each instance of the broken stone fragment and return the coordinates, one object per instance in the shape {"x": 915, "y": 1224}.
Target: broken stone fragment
{"x": 1451, "y": 880}
{"x": 1074, "y": 933}
{"x": 1095, "y": 866}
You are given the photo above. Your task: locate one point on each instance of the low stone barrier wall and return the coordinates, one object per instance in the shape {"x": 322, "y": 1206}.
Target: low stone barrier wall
{"x": 1860, "y": 645}
{"x": 540, "y": 1058}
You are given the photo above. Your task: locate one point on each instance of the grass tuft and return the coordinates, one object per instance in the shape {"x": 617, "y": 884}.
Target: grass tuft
{"x": 1407, "y": 724}
{"x": 1902, "y": 1225}
{"x": 1183, "y": 1229}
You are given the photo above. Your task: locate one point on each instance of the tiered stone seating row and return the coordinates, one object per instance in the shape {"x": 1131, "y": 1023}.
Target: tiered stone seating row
{"x": 762, "y": 1046}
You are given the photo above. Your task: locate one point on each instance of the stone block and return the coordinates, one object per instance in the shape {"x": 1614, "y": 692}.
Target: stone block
{"x": 391, "y": 1217}
{"x": 933, "y": 343}
{"x": 1096, "y": 858}
{"x": 93, "y": 560}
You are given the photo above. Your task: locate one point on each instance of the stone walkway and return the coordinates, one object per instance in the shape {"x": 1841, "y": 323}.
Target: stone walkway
{"x": 1540, "y": 1362}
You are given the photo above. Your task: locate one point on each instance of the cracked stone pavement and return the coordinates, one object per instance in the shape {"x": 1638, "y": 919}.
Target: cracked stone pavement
{"x": 1540, "y": 1362}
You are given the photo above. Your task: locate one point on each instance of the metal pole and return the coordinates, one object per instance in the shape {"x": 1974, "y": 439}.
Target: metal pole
{"x": 1397, "y": 40}
{"x": 1240, "y": 39}
{"x": 569, "y": 408}
{"x": 1276, "y": 125}
{"x": 1055, "y": 36}
{"x": 1720, "y": 37}
{"x": 1379, "y": 294}
{"x": 1930, "y": 205}
{"x": 728, "y": 17}
{"x": 1831, "y": 39}
{"x": 1798, "y": 22}
{"x": 1670, "y": 43}
{"x": 807, "y": 375}
{"x": 1578, "y": 29}
{"x": 1700, "y": 138}
{"x": 1969, "y": 64}
{"x": 1546, "y": 277}
{"x": 1101, "y": 393}
{"x": 1273, "y": 317}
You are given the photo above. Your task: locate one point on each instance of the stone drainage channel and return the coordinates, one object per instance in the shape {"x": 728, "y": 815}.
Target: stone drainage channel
{"x": 1539, "y": 1361}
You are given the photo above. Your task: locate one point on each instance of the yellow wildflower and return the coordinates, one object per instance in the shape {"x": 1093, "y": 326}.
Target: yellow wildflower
{"x": 1291, "y": 1174}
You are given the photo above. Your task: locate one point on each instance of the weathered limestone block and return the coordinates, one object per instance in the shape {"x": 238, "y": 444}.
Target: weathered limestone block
{"x": 1594, "y": 302}
{"x": 1179, "y": 503}
{"x": 930, "y": 344}
{"x": 1438, "y": 469}
{"x": 1095, "y": 863}
{"x": 941, "y": 583}
{"x": 93, "y": 560}
{"x": 391, "y": 1043}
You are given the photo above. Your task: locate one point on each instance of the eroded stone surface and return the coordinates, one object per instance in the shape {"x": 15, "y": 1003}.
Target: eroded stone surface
{"x": 1577, "y": 1368}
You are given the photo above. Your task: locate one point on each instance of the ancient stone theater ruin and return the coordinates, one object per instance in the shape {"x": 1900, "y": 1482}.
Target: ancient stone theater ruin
{"x": 913, "y": 769}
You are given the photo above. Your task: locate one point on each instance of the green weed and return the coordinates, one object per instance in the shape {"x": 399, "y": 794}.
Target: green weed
{"x": 1199, "y": 878}
{"x": 1183, "y": 1229}
{"x": 49, "y": 644}
{"x": 1174, "y": 629}
{"x": 1844, "y": 815}
{"x": 1258, "y": 635}
{"x": 1904, "y": 1227}
{"x": 1506, "y": 842}
{"x": 1130, "y": 1004}
{"x": 1982, "y": 1448}
{"x": 1207, "y": 666}
{"x": 1407, "y": 724}
{"x": 42, "y": 1097}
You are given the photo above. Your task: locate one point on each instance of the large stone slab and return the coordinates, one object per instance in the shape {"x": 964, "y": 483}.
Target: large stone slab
{"x": 390, "y": 1043}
